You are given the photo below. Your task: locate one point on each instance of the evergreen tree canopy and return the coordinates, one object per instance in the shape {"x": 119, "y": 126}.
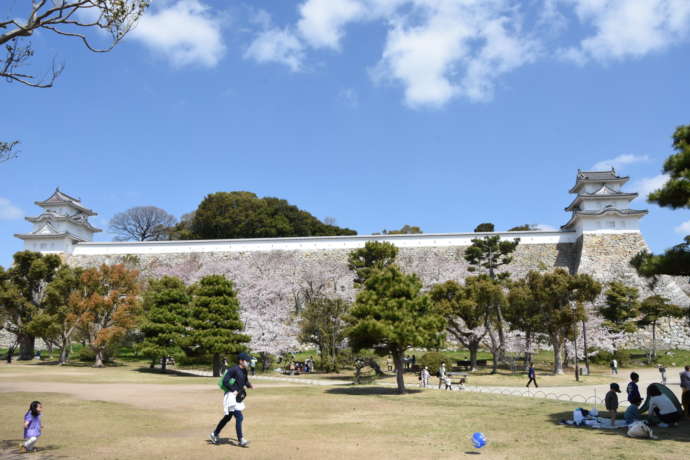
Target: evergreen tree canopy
{"x": 621, "y": 308}
{"x": 391, "y": 315}
{"x": 245, "y": 215}
{"x": 490, "y": 253}
{"x": 22, "y": 294}
{"x": 484, "y": 227}
{"x": 214, "y": 319}
{"x": 166, "y": 305}
{"x": 676, "y": 192}
{"x": 322, "y": 324}
{"x": 375, "y": 255}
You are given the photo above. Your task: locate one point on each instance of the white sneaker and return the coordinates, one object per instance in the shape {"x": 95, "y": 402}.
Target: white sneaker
{"x": 213, "y": 438}
{"x": 244, "y": 442}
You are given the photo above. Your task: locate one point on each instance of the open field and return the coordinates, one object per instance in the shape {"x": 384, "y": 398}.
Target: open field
{"x": 120, "y": 412}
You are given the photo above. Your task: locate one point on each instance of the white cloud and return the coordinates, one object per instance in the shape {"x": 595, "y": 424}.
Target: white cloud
{"x": 186, "y": 32}
{"x": 8, "y": 211}
{"x": 544, "y": 228}
{"x": 647, "y": 185}
{"x": 619, "y": 162}
{"x": 684, "y": 228}
{"x": 456, "y": 49}
{"x": 322, "y": 21}
{"x": 350, "y": 97}
{"x": 628, "y": 28}
{"x": 277, "y": 45}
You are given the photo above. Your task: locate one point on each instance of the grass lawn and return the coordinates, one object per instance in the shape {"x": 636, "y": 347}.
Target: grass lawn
{"x": 119, "y": 412}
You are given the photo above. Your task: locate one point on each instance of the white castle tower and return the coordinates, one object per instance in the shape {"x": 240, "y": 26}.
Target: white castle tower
{"x": 63, "y": 223}
{"x": 600, "y": 206}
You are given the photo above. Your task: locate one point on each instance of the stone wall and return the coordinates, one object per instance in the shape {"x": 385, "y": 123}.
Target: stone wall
{"x": 606, "y": 258}
{"x": 272, "y": 284}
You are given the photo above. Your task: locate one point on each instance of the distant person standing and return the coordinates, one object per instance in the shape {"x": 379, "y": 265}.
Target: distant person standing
{"x": 633, "y": 390}
{"x": 614, "y": 366}
{"x": 425, "y": 377}
{"x": 532, "y": 374}
{"x": 685, "y": 388}
{"x": 441, "y": 375}
{"x": 662, "y": 371}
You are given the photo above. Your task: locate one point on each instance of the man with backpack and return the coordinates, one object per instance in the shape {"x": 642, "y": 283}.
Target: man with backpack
{"x": 233, "y": 384}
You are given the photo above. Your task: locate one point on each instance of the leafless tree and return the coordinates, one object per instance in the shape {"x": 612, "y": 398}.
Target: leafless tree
{"x": 7, "y": 151}
{"x": 142, "y": 223}
{"x": 68, "y": 18}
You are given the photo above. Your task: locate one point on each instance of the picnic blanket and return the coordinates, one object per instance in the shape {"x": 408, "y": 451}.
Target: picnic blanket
{"x": 664, "y": 391}
{"x": 585, "y": 418}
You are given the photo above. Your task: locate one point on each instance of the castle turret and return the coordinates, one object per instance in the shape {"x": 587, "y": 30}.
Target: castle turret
{"x": 63, "y": 223}
{"x": 600, "y": 206}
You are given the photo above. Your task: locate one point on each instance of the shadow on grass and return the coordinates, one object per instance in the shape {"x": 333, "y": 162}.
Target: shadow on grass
{"x": 368, "y": 391}
{"x": 678, "y": 433}
{"x": 9, "y": 449}
{"x": 170, "y": 372}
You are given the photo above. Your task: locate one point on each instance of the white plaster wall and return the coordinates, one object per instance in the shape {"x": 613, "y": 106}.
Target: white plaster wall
{"x": 312, "y": 243}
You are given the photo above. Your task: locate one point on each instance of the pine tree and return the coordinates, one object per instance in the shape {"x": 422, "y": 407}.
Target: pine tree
{"x": 375, "y": 255}
{"x": 215, "y": 319}
{"x": 166, "y": 305}
{"x": 391, "y": 315}
{"x": 653, "y": 308}
{"x": 621, "y": 308}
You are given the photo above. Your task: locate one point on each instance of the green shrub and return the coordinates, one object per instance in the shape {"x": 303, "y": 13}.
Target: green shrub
{"x": 603, "y": 357}
{"x": 433, "y": 361}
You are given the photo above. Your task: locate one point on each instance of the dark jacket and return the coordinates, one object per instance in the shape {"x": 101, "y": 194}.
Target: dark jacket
{"x": 240, "y": 376}
{"x": 611, "y": 400}
{"x": 685, "y": 380}
{"x": 530, "y": 373}
{"x": 634, "y": 393}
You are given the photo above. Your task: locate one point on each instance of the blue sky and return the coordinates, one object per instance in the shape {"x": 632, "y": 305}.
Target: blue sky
{"x": 380, "y": 113}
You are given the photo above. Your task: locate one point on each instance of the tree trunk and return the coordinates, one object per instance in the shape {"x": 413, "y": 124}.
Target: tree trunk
{"x": 164, "y": 362}
{"x": 528, "y": 354}
{"x": 26, "y": 346}
{"x": 577, "y": 369}
{"x": 557, "y": 364}
{"x": 501, "y": 335}
{"x": 99, "y": 358}
{"x": 584, "y": 339}
{"x": 474, "y": 349}
{"x": 653, "y": 339}
{"x": 398, "y": 359}
{"x": 64, "y": 353}
{"x": 216, "y": 364}
{"x": 566, "y": 355}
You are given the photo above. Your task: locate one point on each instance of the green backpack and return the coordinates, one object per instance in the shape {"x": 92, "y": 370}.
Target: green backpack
{"x": 221, "y": 385}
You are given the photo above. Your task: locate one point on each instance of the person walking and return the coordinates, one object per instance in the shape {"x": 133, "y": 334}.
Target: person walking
{"x": 234, "y": 382}
{"x": 441, "y": 375}
{"x": 662, "y": 371}
{"x": 614, "y": 366}
{"x": 425, "y": 377}
{"x": 685, "y": 388}
{"x": 33, "y": 427}
{"x": 531, "y": 373}
{"x": 611, "y": 402}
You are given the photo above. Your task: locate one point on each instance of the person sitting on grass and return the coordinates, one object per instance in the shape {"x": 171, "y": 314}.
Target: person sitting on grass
{"x": 661, "y": 408}
{"x": 33, "y": 427}
{"x": 632, "y": 414}
{"x": 611, "y": 402}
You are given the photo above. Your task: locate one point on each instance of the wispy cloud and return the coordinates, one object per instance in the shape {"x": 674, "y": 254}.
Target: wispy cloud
{"x": 628, "y": 29}
{"x": 350, "y": 97}
{"x": 8, "y": 211}
{"x": 684, "y": 228}
{"x": 619, "y": 162}
{"x": 186, "y": 32}
{"x": 647, "y": 185}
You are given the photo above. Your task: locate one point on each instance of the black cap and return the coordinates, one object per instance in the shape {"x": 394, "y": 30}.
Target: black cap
{"x": 615, "y": 387}
{"x": 244, "y": 357}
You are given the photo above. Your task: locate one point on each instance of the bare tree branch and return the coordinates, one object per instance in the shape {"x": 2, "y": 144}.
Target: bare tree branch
{"x": 7, "y": 151}
{"x": 142, "y": 223}
{"x": 62, "y": 17}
